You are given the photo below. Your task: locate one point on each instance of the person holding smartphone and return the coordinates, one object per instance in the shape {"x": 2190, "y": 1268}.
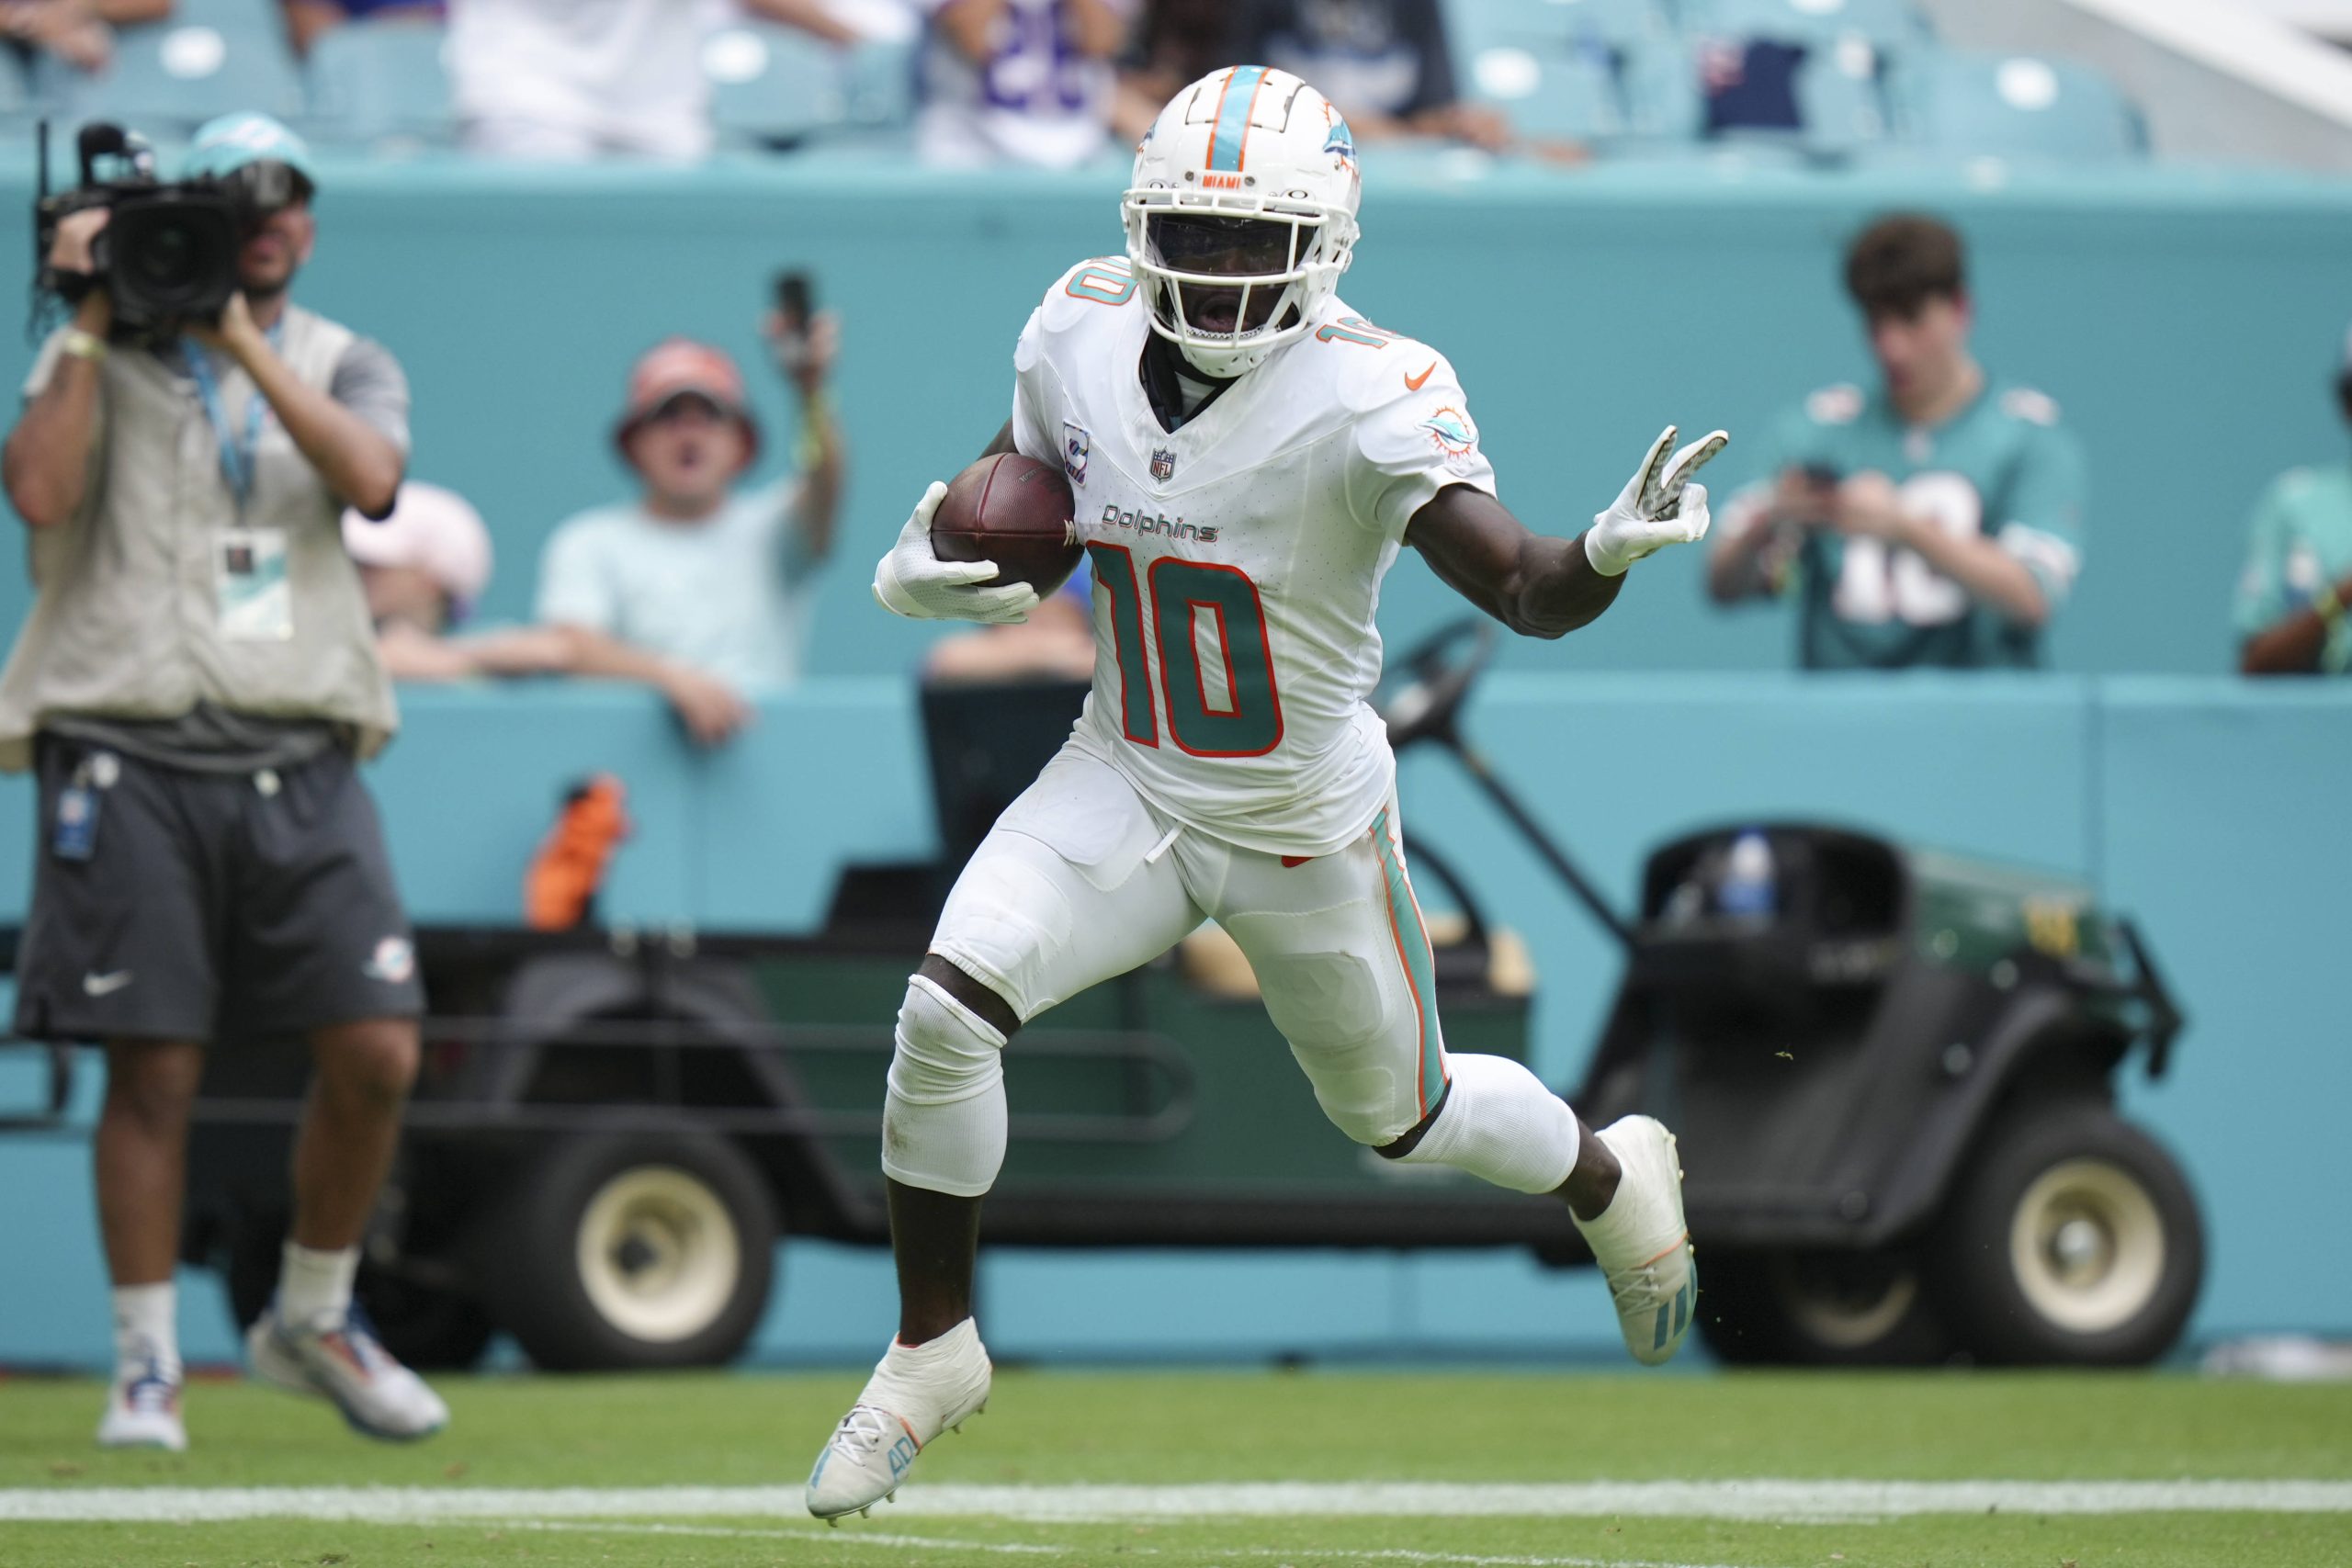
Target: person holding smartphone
{"x": 1932, "y": 521}
{"x": 699, "y": 572}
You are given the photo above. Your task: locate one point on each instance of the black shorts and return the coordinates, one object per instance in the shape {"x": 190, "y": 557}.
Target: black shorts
{"x": 203, "y": 905}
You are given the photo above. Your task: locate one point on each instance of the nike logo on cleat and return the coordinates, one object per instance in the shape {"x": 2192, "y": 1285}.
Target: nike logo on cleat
{"x": 1413, "y": 383}
{"x": 105, "y": 984}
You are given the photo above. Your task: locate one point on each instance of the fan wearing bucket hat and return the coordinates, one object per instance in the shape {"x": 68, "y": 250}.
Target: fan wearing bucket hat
{"x": 194, "y": 688}
{"x": 698, "y": 582}
{"x": 2298, "y": 576}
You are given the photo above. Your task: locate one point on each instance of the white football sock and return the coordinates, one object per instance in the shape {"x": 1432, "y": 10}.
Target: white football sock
{"x": 146, "y": 1327}
{"x": 1500, "y": 1124}
{"x": 314, "y": 1288}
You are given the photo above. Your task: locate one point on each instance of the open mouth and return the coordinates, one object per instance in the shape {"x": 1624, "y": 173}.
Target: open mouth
{"x": 1217, "y": 310}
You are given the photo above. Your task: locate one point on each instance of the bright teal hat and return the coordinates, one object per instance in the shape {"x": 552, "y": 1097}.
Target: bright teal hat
{"x": 232, "y": 142}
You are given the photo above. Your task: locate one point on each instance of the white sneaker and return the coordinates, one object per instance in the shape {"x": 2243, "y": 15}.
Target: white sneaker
{"x": 143, "y": 1409}
{"x": 346, "y": 1364}
{"x": 1642, "y": 1244}
{"x": 916, "y": 1392}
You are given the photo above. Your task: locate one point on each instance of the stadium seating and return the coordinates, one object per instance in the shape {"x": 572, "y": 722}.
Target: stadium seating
{"x": 2015, "y": 107}
{"x": 1891, "y": 26}
{"x": 772, "y": 87}
{"x": 168, "y": 77}
{"x": 381, "y": 84}
{"x": 1603, "y": 71}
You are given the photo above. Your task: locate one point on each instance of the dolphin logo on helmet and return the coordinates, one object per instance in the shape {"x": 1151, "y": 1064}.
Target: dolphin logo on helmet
{"x": 1256, "y": 144}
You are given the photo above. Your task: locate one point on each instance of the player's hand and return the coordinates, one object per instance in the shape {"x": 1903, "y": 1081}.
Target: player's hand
{"x": 912, "y": 582}
{"x": 1659, "y": 506}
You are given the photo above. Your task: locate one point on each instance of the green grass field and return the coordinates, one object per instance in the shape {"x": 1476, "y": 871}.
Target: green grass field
{"x": 1070, "y": 1468}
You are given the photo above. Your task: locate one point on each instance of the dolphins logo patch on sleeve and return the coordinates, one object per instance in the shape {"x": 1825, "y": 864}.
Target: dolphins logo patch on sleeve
{"x": 1453, "y": 432}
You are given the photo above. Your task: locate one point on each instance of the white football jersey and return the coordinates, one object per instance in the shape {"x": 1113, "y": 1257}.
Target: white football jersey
{"x": 1237, "y": 560}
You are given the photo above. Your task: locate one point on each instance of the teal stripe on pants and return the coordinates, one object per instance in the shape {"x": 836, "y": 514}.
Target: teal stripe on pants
{"x": 1420, "y": 967}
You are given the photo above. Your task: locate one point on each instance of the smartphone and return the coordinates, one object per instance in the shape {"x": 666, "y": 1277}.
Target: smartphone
{"x": 795, "y": 300}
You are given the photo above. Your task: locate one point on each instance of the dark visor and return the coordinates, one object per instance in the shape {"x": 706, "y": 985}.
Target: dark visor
{"x": 1227, "y": 247}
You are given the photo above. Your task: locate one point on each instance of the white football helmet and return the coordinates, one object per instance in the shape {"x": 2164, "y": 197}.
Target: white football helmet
{"x": 1246, "y": 160}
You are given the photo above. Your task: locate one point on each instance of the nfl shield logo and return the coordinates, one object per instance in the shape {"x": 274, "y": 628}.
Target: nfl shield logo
{"x": 1163, "y": 464}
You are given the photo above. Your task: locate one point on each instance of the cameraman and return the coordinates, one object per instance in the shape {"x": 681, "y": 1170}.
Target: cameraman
{"x": 194, "y": 686}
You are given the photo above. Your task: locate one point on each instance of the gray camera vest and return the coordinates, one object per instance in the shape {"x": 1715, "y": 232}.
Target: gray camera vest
{"x": 128, "y": 622}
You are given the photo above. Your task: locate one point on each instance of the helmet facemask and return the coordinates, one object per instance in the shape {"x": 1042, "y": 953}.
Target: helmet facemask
{"x": 1229, "y": 279}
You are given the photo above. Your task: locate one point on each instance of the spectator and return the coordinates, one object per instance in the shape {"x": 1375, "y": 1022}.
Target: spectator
{"x": 1383, "y": 63}
{"x": 194, "y": 687}
{"x": 1018, "y": 81}
{"x": 1178, "y": 41}
{"x": 693, "y": 572}
{"x": 570, "y": 79}
{"x": 80, "y": 32}
{"x": 306, "y": 19}
{"x": 2298, "y": 566}
{"x": 1934, "y": 520}
{"x": 425, "y": 567}
{"x": 1057, "y": 642}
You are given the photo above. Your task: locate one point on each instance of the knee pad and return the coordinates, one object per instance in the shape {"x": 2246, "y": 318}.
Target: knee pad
{"x": 943, "y": 1120}
{"x": 1500, "y": 1124}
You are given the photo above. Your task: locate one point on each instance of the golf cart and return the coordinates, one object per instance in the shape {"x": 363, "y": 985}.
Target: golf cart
{"x": 1891, "y": 1072}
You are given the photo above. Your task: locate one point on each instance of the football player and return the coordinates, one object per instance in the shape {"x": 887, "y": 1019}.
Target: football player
{"x": 1247, "y": 455}
{"x": 1935, "y": 520}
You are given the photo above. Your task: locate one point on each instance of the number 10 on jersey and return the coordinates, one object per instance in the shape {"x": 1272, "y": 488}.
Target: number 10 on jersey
{"x": 1179, "y": 601}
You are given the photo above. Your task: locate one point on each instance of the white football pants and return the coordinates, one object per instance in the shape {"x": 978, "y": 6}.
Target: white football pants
{"x": 1082, "y": 879}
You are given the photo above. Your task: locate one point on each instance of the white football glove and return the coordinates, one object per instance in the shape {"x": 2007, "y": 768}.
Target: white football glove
{"x": 912, "y": 582}
{"x": 1658, "y": 506}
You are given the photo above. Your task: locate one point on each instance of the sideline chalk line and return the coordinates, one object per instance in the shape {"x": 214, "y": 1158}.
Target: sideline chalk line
{"x": 1753, "y": 1499}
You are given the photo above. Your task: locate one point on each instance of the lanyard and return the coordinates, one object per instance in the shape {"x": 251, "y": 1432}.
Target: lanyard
{"x": 237, "y": 458}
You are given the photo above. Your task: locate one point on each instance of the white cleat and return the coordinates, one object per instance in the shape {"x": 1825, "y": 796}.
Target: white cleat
{"x": 347, "y": 1366}
{"x": 143, "y": 1409}
{"x": 916, "y": 1392}
{"x": 1641, "y": 1243}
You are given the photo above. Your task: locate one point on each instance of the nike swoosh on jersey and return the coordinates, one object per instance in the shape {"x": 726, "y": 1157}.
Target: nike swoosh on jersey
{"x": 1413, "y": 383}
{"x": 105, "y": 984}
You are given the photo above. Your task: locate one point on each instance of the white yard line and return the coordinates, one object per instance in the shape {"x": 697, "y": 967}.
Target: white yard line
{"x": 1781, "y": 1500}
{"x": 938, "y": 1543}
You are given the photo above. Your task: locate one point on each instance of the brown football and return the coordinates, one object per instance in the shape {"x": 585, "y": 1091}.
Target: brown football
{"x": 1014, "y": 511}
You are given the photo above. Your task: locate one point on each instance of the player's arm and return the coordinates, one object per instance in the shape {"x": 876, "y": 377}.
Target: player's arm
{"x": 1003, "y": 444}
{"x": 1542, "y": 586}
{"x": 1534, "y": 583}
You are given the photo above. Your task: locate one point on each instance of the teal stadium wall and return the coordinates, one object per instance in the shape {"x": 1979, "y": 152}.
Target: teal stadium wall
{"x": 2183, "y": 320}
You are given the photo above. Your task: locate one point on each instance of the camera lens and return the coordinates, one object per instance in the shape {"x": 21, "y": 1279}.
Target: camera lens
{"x": 163, "y": 258}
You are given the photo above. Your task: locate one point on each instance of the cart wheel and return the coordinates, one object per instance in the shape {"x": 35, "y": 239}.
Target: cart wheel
{"x": 1822, "y": 1309}
{"x": 2076, "y": 1240}
{"x": 622, "y": 1250}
